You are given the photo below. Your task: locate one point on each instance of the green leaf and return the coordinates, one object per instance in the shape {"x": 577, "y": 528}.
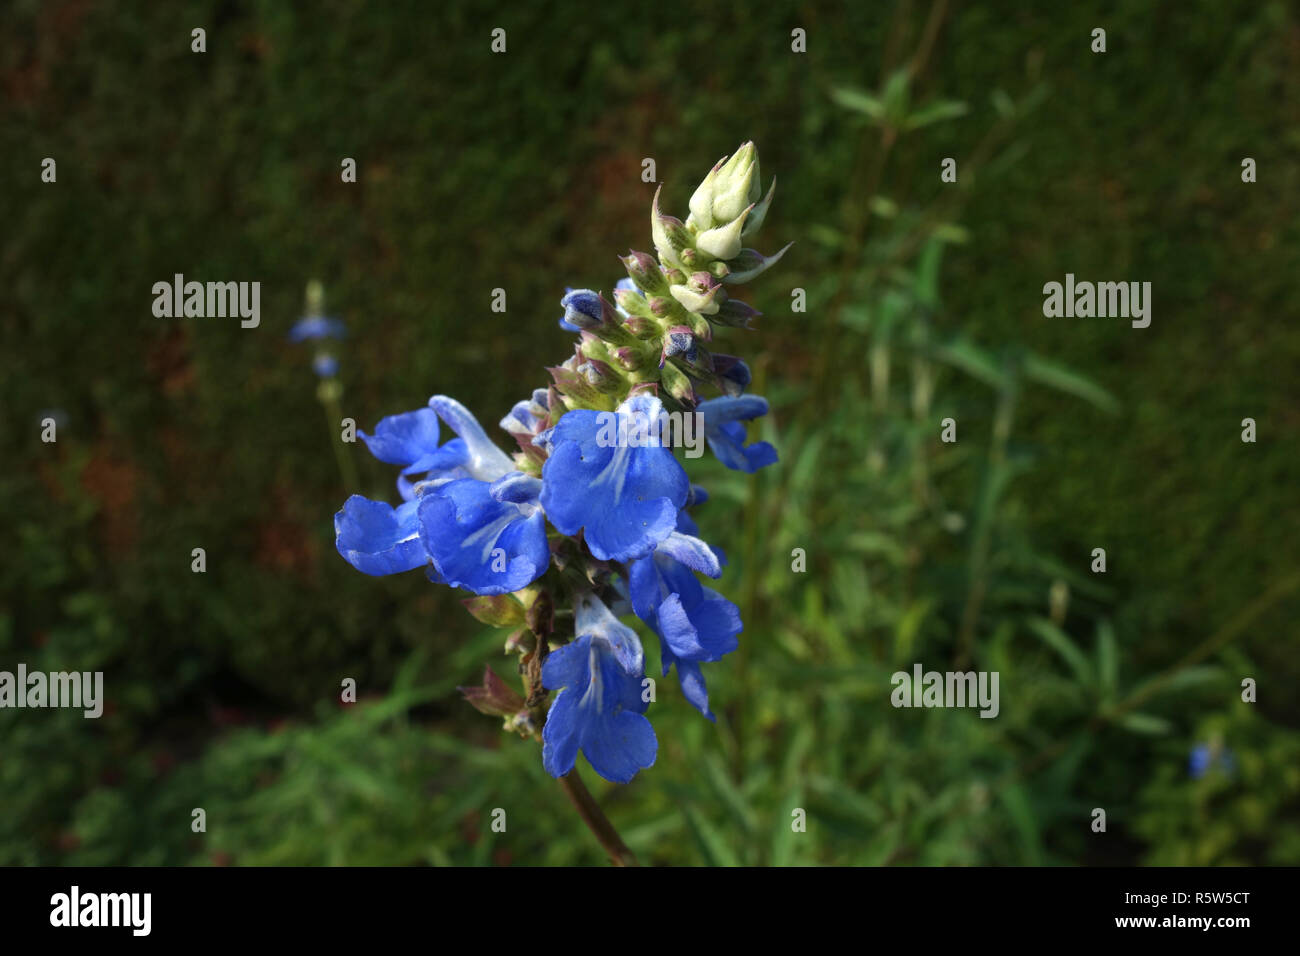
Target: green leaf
{"x": 926, "y": 284}
{"x": 976, "y": 362}
{"x": 1053, "y": 375}
{"x": 935, "y": 113}
{"x": 860, "y": 101}
{"x": 1107, "y": 661}
{"x": 1145, "y": 724}
{"x": 1060, "y": 642}
{"x": 711, "y": 844}
{"x": 1022, "y": 818}
{"x": 895, "y": 96}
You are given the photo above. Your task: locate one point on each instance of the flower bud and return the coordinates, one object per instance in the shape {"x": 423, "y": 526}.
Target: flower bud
{"x": 630, "y": 358}
{"x": 586, "y": 309}
{"x": 600, "y": 375}
{"x": 702, "y": 199}
{"x": 661, "y": 306}
{"x": 723, "y": 242}
{"x": 676, "y": 383}
{"x": 678, "y": 340}
{"x": 695, "y": 302}
{"x": 493, "y": 696}
{"x": 645, "y": 272}
{"x": 670, "y": 235}
{"x": 736, "y": 185}
{"x": 675, "y": 276}
{"x": 631, "y": 302}
{"x": 641, "y": 327}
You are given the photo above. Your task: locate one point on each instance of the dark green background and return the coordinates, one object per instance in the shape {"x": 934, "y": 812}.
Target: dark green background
{"x": 522, "y": 171}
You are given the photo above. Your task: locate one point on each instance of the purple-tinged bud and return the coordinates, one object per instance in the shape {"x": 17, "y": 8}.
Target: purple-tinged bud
{"x": 669, "y": 233}
{"x": 630, "y": 358}
{"x": 689, "y": 258}
{"x": 701, "y": 282}
{"x": 677, "y": 384}
{"x": 600, "y": 375}
{"x": 678, "y": 340}
{"x": 587, "y": 309}
{"x": 493, "y": 696}
{"x": 735, "y": 314}
{"x": 644, "y": 270}
{"x": 641, "y": 327}
{"x": 701, "y": 293}
{"x": 660, "y": 306}
{"x": 675, "y": 276}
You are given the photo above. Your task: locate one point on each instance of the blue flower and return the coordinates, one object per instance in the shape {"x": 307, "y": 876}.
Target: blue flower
{"x": 378, "y": 539}
{"x": 316, "y": 327}
{"x": 726, "y": 435}
{"x": 411, "y": 440}
{"x": 695, "y": 624}
{"x": 486, "y": 538}
{"x": 1207, "y": 757}
{"x": 325, "y": 366}
{"x": 624, "y": 496}
{"x": 479, "y": 457}
{"x": 526, "y": 416}
{"x": 600, "y": 708}
{"x": 584, "y": 309}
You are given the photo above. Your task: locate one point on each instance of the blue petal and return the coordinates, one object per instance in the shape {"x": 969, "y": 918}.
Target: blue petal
{"x": 690, "y": 551}
{"x": 693, "y": 687}
{"x": 481, "y": 544}
{"x": 620, "y": 746}
{"x": 561, "y": 735}
{"x": 728, "y": 444}
{"x": 732, "y": 408}
{"x": 484, "y": 460}
{"x": 517, "y": 488}
{"x": 316, "y": 327}
{"x": 405, "y": 438}
{"x": 600, "y": 713}
{"x": 377, "y": 539}
{"x": 624, "y": 498}
{"x": 592, "y": 618}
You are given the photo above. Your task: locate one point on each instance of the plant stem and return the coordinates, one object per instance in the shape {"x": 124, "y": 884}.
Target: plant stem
{"x": 597, "y": 822}
{"x": 347, "y": 469}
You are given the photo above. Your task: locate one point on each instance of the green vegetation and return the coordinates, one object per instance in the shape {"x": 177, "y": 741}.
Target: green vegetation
{"x": 522, "y": 171}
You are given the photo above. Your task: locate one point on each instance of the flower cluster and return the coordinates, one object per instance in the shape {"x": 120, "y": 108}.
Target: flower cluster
{"x": 318, "y": 328}
{"x": 574, "y": 527}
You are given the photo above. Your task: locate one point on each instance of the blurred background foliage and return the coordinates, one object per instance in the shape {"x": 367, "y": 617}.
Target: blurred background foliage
{"x": 522, "y": 171}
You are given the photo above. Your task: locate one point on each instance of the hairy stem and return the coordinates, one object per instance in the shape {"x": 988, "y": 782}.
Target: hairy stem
{"x": 597, "y": 822}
